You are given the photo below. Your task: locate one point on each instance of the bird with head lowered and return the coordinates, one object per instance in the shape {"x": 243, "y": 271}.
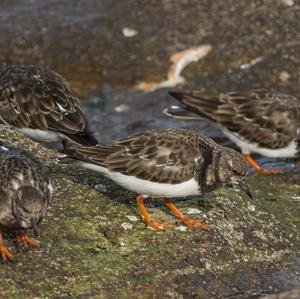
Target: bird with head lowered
{"x": 257, "y": 121}
{"x": 164, "y": 163}
{"x": 40, "y": 104}
{"x": 25, "y": 192}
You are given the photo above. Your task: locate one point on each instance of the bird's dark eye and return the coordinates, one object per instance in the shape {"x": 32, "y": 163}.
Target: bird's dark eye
{"x": 234, "y": 172}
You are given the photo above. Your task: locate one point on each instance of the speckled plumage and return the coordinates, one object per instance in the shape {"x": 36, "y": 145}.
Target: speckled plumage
{"x": 40, "y": 103}
{"x": 257, "y": 121}
{"x": 168, "y": 156}
{"x": 164, "y": 163}
{"x": 25, "y": 190}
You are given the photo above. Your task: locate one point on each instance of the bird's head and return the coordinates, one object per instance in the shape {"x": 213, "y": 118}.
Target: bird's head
{"x": 29, "y": 207}
{"x": 233, "y": 169}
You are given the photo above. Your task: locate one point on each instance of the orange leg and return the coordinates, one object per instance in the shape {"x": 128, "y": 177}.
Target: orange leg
{"x": 4, "y": 252}
{"x": 25, "y": 240}
{"x": 66, "y": 144}
{"x": 151, "y": 223}
{"x": 188, "y": 222}
{"x": 260, "y": 169}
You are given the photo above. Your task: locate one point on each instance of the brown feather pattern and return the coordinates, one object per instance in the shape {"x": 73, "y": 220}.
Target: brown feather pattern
{"x": 159, "y": 155}
{"x": 268, "y": 119}
{"x": 31, "y": 97}
{"x": 19, "y": 168}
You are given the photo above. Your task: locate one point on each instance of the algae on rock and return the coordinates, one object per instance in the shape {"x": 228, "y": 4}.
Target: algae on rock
{"x": 86, "y": 250}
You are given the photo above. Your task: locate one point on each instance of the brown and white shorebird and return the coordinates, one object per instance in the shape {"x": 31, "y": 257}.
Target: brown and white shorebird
{"x": 164, "y": 163}
{"x": 41, "y": 104}
{"x": 257, "y": 121}
{"x": 25, "y": 192}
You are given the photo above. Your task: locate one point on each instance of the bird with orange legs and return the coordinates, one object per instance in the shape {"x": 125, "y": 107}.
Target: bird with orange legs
{"x": 25, "y": 192}
{"x": 164, "y": 163}
{"x": 258, "y": 121}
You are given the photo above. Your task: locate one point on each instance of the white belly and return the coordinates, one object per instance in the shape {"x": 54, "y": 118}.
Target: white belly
{"x": 41, "y": 135}
{"x": 187, "y": 188}
{"x": 38, "y": 135}
{"x": 288, "y": 152}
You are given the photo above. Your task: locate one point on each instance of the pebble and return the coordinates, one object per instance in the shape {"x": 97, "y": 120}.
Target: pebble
{"x": 102, "y": 188}
{"x": 191, "y": 211}
{"x": 288, "y": 2}
{"x": 129, "y": 32}
{"x": 251, "y": 208}
{"x": 122, "y": 108}
{"x": 284, "y": 76}
{"x": 132, "y": 218}
{"x": 181, "y": 228}
{"x": 127, "y": 226}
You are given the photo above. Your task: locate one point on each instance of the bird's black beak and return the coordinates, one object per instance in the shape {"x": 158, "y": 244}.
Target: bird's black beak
{"x": 34, "y": 227}
{"x": 244, "y": 187}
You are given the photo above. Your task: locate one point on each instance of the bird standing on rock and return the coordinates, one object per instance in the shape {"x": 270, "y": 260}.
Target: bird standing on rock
{"x": 164, "y": 163}
{"x": 258, "y": 121}
{"x": 40, "y": 104}
{"x": 25, "y": 192}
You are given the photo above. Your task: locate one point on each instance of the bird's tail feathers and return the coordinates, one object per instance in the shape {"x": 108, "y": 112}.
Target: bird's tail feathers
{"x": 204, "y": 106}
{"x": 181, "y": 113}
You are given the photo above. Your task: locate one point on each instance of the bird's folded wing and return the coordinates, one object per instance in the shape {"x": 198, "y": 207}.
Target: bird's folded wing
{"x": 45, "y": 104}
{"x": 155, "y": 157}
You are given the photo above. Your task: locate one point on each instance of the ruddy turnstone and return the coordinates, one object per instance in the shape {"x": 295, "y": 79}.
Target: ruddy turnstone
{"x": 40, "y": 104}
{"x": 25, "y": 192}
{"x": 164, "y": 163}
{"x": 257, "y": 121}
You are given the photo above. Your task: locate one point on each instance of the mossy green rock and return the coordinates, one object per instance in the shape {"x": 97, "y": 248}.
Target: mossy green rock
{"x": 90, "y": 248}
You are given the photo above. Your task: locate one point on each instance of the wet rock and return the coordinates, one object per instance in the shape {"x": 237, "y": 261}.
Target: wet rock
{"x": 284, "y": 76}
{"x": 252, "y": 248}
{"x": 88, "y": 248}
{"x": 102, "y": 188}
{"x": 293, "y": 294}
{"x": 85, "y": 41}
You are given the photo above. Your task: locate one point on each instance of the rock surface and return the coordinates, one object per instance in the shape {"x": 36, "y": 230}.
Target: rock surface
{"x": 85, "y": 41}
{"x": 292, "y": 294}
{"x": 91, "y": 245}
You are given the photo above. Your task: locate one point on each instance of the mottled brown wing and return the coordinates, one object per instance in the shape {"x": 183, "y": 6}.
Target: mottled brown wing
{"x": 158, "y": 156}
{"x": 39, "y": 99}
{"x": 22, "y": 167}
{"x": 268, "y": 119}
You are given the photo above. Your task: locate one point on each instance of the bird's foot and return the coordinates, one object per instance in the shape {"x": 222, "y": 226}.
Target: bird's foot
{"x": 25, "y": 241}
{"x": 157, "y": 225}
{"x": 5, "y": 253}
{"x": 153, "y": 224}
{"x": 188, "y": 222}
{"x": 194, "y": 223}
